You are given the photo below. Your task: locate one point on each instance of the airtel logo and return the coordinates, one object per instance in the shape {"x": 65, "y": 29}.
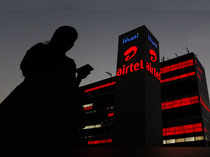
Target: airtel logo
{"x": 130, "y": 53}
{"x": 153, "y": 55}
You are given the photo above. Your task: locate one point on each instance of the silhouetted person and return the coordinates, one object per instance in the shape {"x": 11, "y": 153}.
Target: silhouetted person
{"x": 44, "y": 111}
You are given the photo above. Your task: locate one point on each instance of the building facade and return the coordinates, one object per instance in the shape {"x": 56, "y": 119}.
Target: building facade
{"x": 127, "y": 109}
{"x": 184, "y": 101}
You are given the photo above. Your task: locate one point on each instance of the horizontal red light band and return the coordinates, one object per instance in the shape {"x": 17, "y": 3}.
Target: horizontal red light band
{"x": 177, "y": 66}
{"x": 177, "y": 77}
{"x": 100, "y": 141}
{"x": 180, "y": 102}
{"x": 88, "y": 108}
{"x": 183, "y": 129}
{"x": 99, "y": 87}
{"x": 204, "y": 105}
{"x": 110, "y": 114}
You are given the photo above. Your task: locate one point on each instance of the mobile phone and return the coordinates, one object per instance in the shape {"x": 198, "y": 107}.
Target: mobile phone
{"x": 85, "y": 68}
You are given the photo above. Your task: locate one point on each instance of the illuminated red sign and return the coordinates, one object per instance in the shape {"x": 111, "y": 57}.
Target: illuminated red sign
{"x": 139, "y": 65}
{"x": 140, "y": 54}
{"x": 180, "y": 103}
{"x": 183, "y": 129}
{"x": 130, "y": 53}
{"x": 153, "y": 55}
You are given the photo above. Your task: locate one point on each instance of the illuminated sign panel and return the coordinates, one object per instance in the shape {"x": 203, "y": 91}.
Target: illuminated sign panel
{"x": 138, "y": 51}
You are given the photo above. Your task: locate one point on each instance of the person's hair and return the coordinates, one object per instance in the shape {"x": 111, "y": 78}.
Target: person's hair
{"x": 64, "y": 33}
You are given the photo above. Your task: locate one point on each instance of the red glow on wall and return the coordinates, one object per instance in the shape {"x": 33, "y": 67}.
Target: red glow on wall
{"x": 130, "y": 53}
{"x": 180, "y": 103}
{"x": 204, "y": 105}
{"x": 99, "y": 87}
{"x": 100, "y": 141}
{"x": 88, "y": 108}
{"x": 183, "y": 129}
{"x": 177, "y": 77}
{"x": 110, "y": 114}
{"x": 177, "y": 66}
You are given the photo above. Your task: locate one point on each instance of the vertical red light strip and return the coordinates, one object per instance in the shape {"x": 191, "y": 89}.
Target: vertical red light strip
{"x": 100, "y": 141}
{"x": 204, "y": 105}
{"x": 177, "y": 66}
{"x": 177, "y": 77}
{"x": 99, "y": 87}
{"x": 180, "y": 102}
{"x": 183, "y": 129}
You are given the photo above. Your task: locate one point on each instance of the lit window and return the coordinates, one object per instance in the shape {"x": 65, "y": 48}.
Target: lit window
{"x": 92, "y": 126}
{"x": 170, "y": 141}
{"x": 189, "y": 139}
{"x": 164, "y": 141}
{"x": 199, "y": 138}
{"x": 88, "y": 107}
{"x": 179, "y": 140}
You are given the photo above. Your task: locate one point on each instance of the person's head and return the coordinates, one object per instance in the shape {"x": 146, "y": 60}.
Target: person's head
{"x": 63, "y": 38}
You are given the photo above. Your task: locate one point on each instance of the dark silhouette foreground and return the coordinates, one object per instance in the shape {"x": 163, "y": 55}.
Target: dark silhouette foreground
{"x": 44, "y": 111}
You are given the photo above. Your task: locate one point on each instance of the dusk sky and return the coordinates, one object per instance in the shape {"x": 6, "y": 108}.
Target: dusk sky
{"x": 176, "y": 24}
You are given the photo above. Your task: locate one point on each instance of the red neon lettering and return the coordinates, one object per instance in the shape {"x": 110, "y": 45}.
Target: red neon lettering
{"x": 183, "y": 129}
{"x": 99, "y": 87}
{"x": 177, "y": 66}
{"x": 177, "y": 77}
{"x": 110, "y": 114}
{"x": 130, "y": 53}
{"x": 153, "y": 56}
{"x": 130, "y": 68}
{"x": 180, "y": 103}
{"x": 204, "y": 105}
{"x": 100, "y": 141}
